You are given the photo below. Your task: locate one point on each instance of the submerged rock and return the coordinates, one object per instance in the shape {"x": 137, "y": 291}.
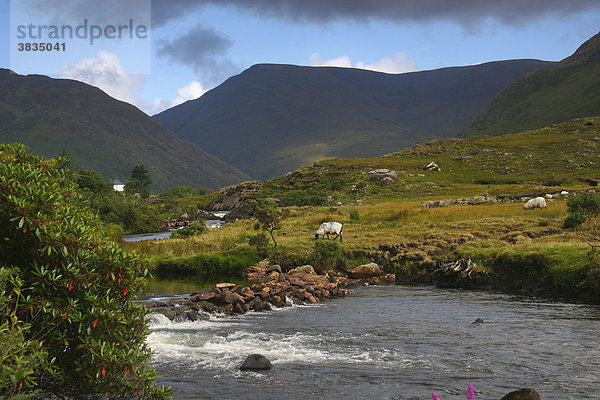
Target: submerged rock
{"x": 522, "y": 394}
{"x": 256, "y": 362}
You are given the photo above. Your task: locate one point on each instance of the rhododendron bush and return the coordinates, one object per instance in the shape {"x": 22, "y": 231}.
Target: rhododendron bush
{"x": 67, "y": 291}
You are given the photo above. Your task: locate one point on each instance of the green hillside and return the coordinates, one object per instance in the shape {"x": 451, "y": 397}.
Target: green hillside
{"x": 272, "y": 119}
{"x": 101, "y": 133}
{"x": 560, "y": 92}
{"x": 482, "y": 180}
{"x": 555, "y": 158}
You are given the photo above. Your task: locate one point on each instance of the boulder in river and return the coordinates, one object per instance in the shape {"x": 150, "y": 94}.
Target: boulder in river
{"x": 256, "y": 362}
{"x": 365, "y": 271}
{"x": 522, "y": 394}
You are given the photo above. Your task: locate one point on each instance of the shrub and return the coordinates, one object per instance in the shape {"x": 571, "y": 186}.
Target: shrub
{"x": 295, "y": 198}
{"x": 76, "y": 299}
{"x": 260, "y": 242}
{"x": 354, "y": 215}
{"x": 19, "y": 358}
{"x": 583, "y": 215}
{"x": 193, "y": 229}
{"x": 327, "y": 254}
{"x": 266, "y": 213}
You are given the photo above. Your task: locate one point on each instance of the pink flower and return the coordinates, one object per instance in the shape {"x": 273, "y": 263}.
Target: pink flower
{"x": 470, "y": 392}
{"x": 434, "y": 396}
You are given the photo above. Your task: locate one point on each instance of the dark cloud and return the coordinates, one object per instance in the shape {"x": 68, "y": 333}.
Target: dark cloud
{"x": 105, "y": 12}
{"x": 468, "y": 13}
{"x": 203, "y": 49}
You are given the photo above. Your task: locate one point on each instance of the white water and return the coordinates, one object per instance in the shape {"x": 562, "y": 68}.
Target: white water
{"x": 388, "y": 343}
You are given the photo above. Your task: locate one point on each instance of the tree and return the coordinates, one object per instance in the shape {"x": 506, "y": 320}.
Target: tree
{"x": 71, "y": 290}
{"x": 583, "y": 215}
{"x": 266, "y": 213}
{"x": 140, "y": 181}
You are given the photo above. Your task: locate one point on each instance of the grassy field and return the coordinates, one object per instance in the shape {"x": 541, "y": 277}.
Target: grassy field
{"x": 516, "y": 250}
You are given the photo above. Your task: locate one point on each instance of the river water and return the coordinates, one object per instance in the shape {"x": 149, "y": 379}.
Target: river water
{"x": 388, "y": 342}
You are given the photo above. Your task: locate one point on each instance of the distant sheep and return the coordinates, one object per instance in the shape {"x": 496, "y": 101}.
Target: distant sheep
{"x": 326, "y": 228}
{"x": 538, "y": 202}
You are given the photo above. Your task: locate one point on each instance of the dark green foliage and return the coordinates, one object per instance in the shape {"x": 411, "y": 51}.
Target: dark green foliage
{"x": 354, "y": 215}
{"x": 140, "y": 181}
{"x": 295, "y": 198}
{"x": 91, "y": 181}
{"x": 78, "y": 288}
{"x": 260, "y": 242}
{"x": 583, "y": 215}
{"x": 196, "y": 228}
{"x": 183, "y": 191}
{"x": 133, "y": 215}
{"x": 19, "y": 358}
{"x": 267, "y": 215}
{"x": 326, "y": 255}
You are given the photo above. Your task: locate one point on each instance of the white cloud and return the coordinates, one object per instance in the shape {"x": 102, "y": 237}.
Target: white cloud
{"x": 343, "y": 61}
{"x": 401, "y": 63}
{"x": 107, "y": 73}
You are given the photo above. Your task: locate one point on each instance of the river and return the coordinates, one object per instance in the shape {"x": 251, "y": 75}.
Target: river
{"x": 388, "y": 342}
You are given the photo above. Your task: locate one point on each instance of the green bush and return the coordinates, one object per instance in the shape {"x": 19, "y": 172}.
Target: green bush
{"x": 196, "y": 228}
{"x": 260, "y": 242}
{"x": 583, "y": 215}
{"x": 114, "y": 232}
{"x": 294, "y": 198}
{"x": 326, "y": 255}
{"x": 76, "y": 299}
{"x": 354, "y": 215}
{"x": 19, "y": 358}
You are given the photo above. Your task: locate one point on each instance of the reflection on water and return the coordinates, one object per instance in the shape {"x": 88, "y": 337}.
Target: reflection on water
{"x": 159, "y": 288}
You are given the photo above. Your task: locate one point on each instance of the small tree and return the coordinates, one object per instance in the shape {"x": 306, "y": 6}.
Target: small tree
{"x": 583, "y": 215}
{"x": 140, "y": 181}
{"x": 267, "y": 215}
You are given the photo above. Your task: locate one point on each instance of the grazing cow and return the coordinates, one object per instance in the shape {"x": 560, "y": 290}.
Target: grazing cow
{"x": 538, "y": 202}
{"x": 335, "y": 228}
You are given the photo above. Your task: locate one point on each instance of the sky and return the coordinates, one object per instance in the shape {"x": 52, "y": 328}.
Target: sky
{"x": 156, "y": 54}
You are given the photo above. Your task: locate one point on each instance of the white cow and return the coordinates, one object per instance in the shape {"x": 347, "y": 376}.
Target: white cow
{"x": 537, "y": 202}
{"x": 335, "y": 228}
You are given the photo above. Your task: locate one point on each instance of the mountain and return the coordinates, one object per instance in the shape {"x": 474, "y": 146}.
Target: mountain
{"x": 562, "y": 91}
{"x": 271, "y": 119}
{"x": 101, "y": 133}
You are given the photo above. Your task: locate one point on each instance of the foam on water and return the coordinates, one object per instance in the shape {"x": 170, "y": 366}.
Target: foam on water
{"x": 208, "y": 344}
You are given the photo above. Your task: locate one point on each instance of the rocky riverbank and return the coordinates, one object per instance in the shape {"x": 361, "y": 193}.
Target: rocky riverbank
{"x": 273, "y": 288}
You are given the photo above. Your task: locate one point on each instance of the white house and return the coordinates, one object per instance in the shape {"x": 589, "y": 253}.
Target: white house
{"x": 118, "y": 185}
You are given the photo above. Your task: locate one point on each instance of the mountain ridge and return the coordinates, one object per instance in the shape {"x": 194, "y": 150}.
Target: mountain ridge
{"x": 102, "y": 133}
{"x": 274, "y": 118}
{"x": 560, "y": 92}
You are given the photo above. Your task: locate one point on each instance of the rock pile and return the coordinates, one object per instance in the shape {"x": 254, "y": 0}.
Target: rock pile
{"x": 274, "y": 288}
{"x": 469, "y": 200}
{"x": 384, "y": 175}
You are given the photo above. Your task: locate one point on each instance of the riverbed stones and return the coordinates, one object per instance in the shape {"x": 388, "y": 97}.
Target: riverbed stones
{"x": 256, "y": 362}
{"x": 365, "y": 271}
{"x": 225, "y": 285}
{"x": 305, "y": 269}
{"x": 522, "y": 394}
{"x": 272, "y": 289}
